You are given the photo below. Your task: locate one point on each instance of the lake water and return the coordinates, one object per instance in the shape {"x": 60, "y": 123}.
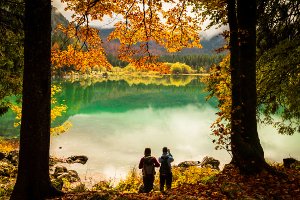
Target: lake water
{"x": 114, "y": 120}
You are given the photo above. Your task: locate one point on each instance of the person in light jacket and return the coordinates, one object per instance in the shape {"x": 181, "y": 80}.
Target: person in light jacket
{"x": 165, "y": 171}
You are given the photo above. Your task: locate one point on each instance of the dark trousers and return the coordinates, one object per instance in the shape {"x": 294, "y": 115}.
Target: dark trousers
{"x": 148, "y": 182}
{"x": 165, "y": 179}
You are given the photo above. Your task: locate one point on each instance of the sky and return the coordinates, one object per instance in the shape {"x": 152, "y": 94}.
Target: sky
{"x": 109, "y": 22}
{"x": 106, "y": 23}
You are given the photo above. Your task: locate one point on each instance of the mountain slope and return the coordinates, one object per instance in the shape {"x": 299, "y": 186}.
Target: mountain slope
{"x": 57, "y": 18}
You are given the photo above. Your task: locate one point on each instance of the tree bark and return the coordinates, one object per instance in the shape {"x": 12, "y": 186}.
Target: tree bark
{"x": 33, "y": 181}
{"x": 236, "y": 112}
{"x": 247, "y": 152}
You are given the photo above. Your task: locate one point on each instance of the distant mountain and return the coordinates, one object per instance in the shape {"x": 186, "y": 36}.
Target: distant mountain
{"x": 57, "y": 18}
{"x": 209, "y": 45}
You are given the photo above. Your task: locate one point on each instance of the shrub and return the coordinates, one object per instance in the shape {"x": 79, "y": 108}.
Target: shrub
{"x": 131, "y": 183}
{"x": 180, "y": 68}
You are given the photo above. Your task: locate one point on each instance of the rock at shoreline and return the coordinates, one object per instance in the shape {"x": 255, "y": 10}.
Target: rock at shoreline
{"x": 62, "y": 174}
{"x": 210, "y": 162}
{"x": 70, "y": 175}
{"x": 206, "y": 162}
{"x": 13, "y": 158}
{"x": 291, "y": 163}
{"x": 77, "y": 159}
{"x": 54, "y": 160}
{"x": 189, "y": 163}
{"x": 59, "y": 170}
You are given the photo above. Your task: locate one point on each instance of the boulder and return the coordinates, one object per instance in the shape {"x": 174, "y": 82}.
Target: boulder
{"x": 74, "y": 177}
{"x": 189, "y": 163}
{"x": 70, "y": 176}
{"x": 210, "y": 162}
{"x": 77, "y": 159}
{"x": 291, "y": 163}
{"x": 59, "y": 170}
{"x": 62, "y": 174}
{"x": 54, "y": 160}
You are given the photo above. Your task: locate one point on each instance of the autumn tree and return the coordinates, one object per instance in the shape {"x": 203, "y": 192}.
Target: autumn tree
{"x": 277, "y": 31}
{"x": 246, "y": 149}
{"x": 84, "y": 53}
{"x": 33, "y": 181}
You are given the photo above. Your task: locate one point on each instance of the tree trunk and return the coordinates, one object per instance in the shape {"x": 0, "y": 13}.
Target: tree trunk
{"x": 236, "y": 112}
{"x": 33, "y": 181}
{"x": 247, "y": 152}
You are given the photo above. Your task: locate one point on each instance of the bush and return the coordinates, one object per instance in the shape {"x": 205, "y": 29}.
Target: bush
{"x": 131, "y": 183}
{"x": 180, "y": 68}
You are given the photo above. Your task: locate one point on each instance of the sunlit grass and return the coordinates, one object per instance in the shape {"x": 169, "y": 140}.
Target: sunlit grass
{"x": 181, "y": 176}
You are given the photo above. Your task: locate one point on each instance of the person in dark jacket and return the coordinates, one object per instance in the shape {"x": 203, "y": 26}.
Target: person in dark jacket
{"x": 148, "y": 164}
{"x": 165, "y": 172}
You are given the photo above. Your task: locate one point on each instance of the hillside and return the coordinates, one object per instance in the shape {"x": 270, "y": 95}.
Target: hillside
{"x": 57, "y": 18}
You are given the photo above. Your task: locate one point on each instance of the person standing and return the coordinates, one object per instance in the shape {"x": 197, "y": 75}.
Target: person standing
{"x": 148, "y": 164}
{"x": 165, "y": 172}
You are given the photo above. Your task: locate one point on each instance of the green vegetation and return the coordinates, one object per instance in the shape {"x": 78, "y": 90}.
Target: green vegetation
{"x": 11, "y": 51}
{"x": 278, "y": 86}
{"x": 126, "y": 72}
{"x": 278, "y": 65}
{"x": 196, "y": 62}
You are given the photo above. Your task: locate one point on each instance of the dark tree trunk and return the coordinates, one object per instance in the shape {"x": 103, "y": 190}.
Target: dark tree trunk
{"x": 236, "y": 112}
{"x": 33, "y": 181}
{"x": 247, "y": 152}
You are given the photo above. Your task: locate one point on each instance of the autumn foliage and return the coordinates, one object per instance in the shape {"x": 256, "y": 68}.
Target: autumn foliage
{"x": 85, "y": 53}
{"x": 218, "y": 84}
{"x": 57, "y": 110}
{"x": 144, "y": 23}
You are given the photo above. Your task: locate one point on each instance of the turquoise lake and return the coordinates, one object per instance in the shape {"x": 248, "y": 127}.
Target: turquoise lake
{"x": 114, "y": 120}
